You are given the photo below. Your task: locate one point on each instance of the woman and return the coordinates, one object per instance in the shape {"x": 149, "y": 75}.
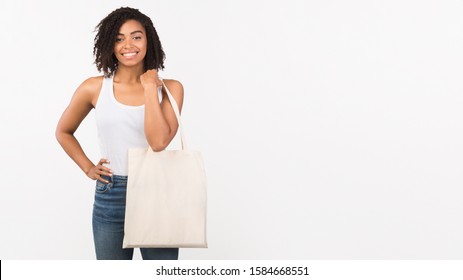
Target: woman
{"x": 132, "y": 110}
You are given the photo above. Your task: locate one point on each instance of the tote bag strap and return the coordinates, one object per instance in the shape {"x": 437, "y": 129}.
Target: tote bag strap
{"x": 177, "y": 114}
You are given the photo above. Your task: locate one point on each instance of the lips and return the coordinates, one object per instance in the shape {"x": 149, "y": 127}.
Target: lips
{"x": 129, "y": 54}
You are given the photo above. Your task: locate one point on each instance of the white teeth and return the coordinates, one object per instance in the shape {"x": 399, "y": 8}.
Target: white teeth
{"x": 129, "y": 54}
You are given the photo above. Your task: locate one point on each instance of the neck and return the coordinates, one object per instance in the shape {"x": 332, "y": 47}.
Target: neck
{"x": 126, "y": 74}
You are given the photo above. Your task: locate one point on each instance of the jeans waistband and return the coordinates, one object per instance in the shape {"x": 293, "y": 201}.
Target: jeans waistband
{"x": 115, "y": 178}
{"x": 120, "y": 177}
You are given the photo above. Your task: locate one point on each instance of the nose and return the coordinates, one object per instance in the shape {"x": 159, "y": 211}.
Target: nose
{"x": 128, "y": 43}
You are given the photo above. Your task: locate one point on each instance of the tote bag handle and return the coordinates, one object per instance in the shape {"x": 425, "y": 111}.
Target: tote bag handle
{"x": 177, "y": 114}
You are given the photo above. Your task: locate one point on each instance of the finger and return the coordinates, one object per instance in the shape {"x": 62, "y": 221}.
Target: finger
{"x": 105, "y": 169}
{"x": 99, "y": 178}
{"x": 106, "y": 172}
{"x": 103, "y": 166}
{"x": 103, "y": 161}
{"x": 101, "y": 169}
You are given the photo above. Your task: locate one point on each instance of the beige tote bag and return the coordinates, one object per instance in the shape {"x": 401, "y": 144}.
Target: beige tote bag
{"x": 166, "y": 197}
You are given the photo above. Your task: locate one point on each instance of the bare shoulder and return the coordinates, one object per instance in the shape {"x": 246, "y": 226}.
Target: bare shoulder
{"x": 175, "y": 87}
{"x": 91, "y": 85}
{"x": 90, "y": 89}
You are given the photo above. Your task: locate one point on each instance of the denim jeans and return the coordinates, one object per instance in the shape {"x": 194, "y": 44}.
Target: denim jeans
{"x": 108, "y": 224}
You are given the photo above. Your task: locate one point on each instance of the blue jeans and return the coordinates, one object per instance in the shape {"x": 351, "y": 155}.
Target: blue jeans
{"x": 108, "y": 224}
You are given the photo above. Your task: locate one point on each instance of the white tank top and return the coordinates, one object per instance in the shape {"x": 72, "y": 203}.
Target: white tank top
{"x": 120, "y": 127}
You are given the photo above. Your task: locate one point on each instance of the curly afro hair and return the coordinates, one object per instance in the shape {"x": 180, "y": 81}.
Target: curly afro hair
{"x": 107, "y": 31}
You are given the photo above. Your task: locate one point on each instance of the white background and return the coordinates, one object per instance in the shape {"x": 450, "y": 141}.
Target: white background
{"x": 329, "y": 129}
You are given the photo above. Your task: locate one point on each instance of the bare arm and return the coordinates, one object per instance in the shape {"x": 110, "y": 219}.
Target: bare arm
{"x": 79, "y": 107}
{"x": 160, "y": 122}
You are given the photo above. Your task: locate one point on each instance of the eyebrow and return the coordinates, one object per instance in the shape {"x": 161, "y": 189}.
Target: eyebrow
{"x": 131, "y": 33}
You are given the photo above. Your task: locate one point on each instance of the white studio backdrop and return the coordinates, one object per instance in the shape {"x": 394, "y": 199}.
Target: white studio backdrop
{"x": 329, "y": 129}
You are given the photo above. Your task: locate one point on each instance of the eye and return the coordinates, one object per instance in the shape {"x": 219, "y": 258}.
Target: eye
{"x": 137, "y": 38}
{"x": 119, "y": 39}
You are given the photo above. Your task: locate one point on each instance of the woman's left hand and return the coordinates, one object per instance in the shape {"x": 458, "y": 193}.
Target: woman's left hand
{"x": 150, "y": 80}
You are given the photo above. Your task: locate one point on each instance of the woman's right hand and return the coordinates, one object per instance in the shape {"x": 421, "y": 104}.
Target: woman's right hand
{"x": 96, "y": 171}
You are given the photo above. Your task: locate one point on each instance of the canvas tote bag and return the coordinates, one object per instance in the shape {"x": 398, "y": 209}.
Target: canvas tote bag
{"x": 166, "y": 197}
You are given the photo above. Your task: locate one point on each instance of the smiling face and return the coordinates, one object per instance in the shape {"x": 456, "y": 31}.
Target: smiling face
{"x": 130, "y": 46}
